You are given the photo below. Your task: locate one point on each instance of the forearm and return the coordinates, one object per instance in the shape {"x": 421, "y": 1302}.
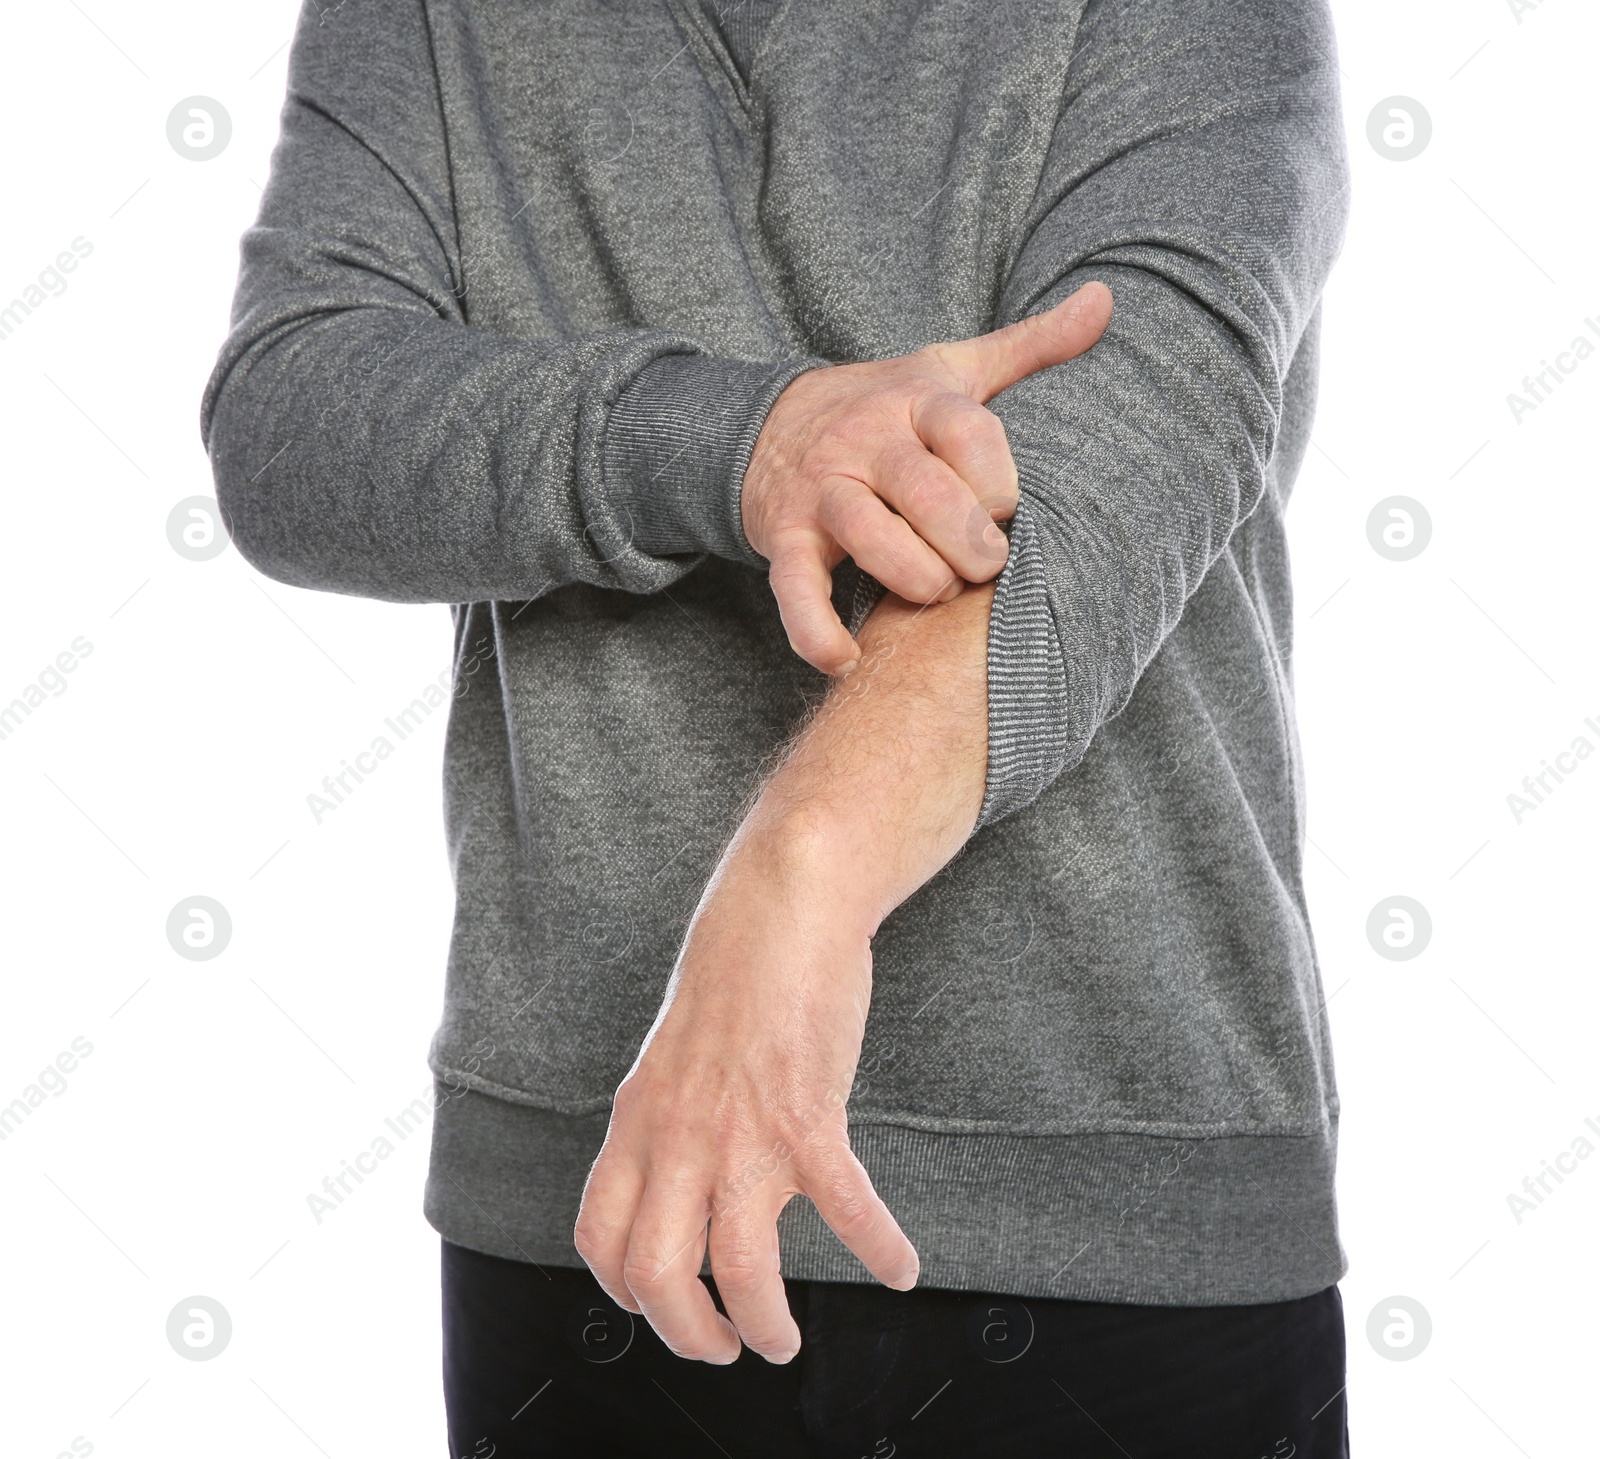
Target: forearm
{"x": 883, "y": 786}
{"x": 376, "y": 450}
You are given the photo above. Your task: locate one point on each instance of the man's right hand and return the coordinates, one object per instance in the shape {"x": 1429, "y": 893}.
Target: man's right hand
{"x": 897, "y": 464}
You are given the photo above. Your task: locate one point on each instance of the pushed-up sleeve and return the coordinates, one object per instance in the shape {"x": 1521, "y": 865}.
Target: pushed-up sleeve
{"x": 366, "y": 439}
{"x": 1198, "y": 169}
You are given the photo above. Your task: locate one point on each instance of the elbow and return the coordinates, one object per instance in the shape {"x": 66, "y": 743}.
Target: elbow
{"x": 240, "y": 504}
{"x": 254, "y": 511}
{"x": 246, "y": 519}
{"x": 256, "y": 518}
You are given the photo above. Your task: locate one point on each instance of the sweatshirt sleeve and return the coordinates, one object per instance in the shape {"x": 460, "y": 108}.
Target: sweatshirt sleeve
{"x": 1198, "y": 169}
{"x": 365, "y": 439}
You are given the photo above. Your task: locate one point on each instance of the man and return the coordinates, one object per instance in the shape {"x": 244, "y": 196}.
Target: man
{"x": 692, "y": 355}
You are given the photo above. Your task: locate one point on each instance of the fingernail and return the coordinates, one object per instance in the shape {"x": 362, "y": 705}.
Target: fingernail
{"x": 993, "y": 536}
{"x": 781, "y": 1358}
{"x": 950, "y": 594}
{"x": 849, "y": 667}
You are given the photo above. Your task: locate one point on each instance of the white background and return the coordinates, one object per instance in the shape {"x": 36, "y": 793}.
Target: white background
{"x": 178, "y": 760}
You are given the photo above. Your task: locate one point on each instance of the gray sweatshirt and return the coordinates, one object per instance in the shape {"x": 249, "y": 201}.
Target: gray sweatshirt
{"x": 528, "y": 275}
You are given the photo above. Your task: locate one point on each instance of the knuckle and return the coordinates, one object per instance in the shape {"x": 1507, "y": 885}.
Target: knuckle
{"x": 740, "y": 1273}
{"x": 853, "y": 512}
{"x": 891, "y": 542}
{"x": 788, "y": 582}
{"x": 971, "y": 430}
{"x": 928, "y": 493}
{"x": 807, "y": 635}
{"x": 795, "y": 589}
{"x": 985, "y": 540}
{"x": 790, "y": 549}
{"x": 978, "y": 436}
{"x": 896, "y": 570}
{"x": 799, "y": 1125}
{"x": 853, "y": 1216}
{"x": 627, "y": 1097}
{"x": 592, "y": 1237}
{"x": 995, "y": 430}
{"x": 644, "y": 1274}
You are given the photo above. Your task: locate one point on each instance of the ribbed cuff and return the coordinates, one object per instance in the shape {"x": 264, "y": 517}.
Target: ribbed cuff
{"x": 678, "y": 442}
{"x": 1029, "y": 737}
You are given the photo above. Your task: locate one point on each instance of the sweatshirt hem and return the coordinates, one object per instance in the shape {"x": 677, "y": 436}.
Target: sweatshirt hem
{"x": 1131, "y": 1218}
{"x": 456, "y": 1080}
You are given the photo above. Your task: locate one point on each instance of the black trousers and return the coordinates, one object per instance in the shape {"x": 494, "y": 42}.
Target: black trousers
{"x": 539, "y": 1361}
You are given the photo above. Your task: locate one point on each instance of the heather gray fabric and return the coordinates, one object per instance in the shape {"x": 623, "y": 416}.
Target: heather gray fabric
{"x": 526, "y": 280}
{"x": 742, "y": 23}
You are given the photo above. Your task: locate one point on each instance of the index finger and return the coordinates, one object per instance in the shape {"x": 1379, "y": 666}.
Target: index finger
{"x": 988, "y": 363}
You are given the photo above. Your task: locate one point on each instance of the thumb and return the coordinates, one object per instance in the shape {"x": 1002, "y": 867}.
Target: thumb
{"x": 988, "y": 363}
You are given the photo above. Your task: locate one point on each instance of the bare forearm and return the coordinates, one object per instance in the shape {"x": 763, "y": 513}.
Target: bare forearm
{"x": 753, "y": 1054}
{"x": 884, "y": 785}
